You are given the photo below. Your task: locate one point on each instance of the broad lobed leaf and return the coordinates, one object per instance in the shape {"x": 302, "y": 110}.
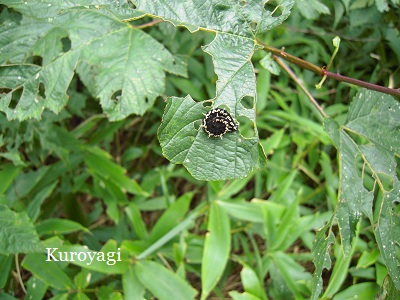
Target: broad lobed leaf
{"x": 205, "y": 158}
{"x": 40, "y": 9}
{"x": 17, "y": 233}
{"x": 376, "y": 118}
{"x": 236, "y": 25}
{"x": 127, "y": 65}
{"x": 240, "y": 18}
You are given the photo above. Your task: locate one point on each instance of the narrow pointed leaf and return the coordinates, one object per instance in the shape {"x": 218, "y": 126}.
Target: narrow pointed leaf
{"x": 47, "y": 271}
{"x": 216, "y": 249}
{"x": 163, "y": 283}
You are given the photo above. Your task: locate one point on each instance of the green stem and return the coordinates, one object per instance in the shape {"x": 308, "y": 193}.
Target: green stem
{"x": 322, "y": 72}
{"x": 336, "y": 43}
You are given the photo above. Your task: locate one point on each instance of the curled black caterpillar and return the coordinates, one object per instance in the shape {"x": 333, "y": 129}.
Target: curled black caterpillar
{"x": 217, "y": 122}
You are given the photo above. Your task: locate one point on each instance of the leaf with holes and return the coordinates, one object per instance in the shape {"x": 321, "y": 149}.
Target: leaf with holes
{"x": 367, "y": 144}
{"x": 127, "y": 65}
{"x": 181, "y": 135}
{"x": 206, "y": 158}
{"x": 322, "y": 259}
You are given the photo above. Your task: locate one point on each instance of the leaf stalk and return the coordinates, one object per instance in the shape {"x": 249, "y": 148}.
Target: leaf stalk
{"x": 300, "y": 84}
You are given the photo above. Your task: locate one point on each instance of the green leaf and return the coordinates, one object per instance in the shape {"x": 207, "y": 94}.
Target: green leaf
{"x": 82, "y": 279}
{"x": 17, "y": 233}
{"x": 5, "y": 266}
{"x": 249, "y": 212}
{"x": 367, "y": 258}
{"x": 5, "y": 296}
{"x": 371, "y": 116}
{"x": 290, "y": 271}
{"x": 133, "y": 289}
{"x": 51, "y": 8}
{"x": 245, "y": 19}
{"x": 135, "y": 217}
{"x": 251, "y": 282}
{"x": 181, "y": 137}
{"x": 216, "y": 249}
{"x": 183, "y": 225}
{"x": 311, "y": 9}
{"x": 340, "y": 270}
{"x": 7, "y": 174}
{"x": 382, "y": 5}
{"x": 57, "y": 226}
{"x": 63, "y": 296}
{"x": 388, "y": 234}
{"x": 243, "y": 296}
{"x": 205, "y": 158}
{"x": 101, "y": 165}
{"x": 163, "y": 283}
{"x": 24, "y": 34}
{"x": 322, "y": 259}
{"x": 34, "y": 205}
{"x": 128, "y": 65}
{"x": 35, "y": 288}
{"x": 171, "y": 217}
{"x": 268, "y": 63}
{"x": 47, "y": 271}
{"x": 365, "y": 290}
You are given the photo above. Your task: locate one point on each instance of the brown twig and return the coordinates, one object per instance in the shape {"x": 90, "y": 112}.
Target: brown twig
{"x": 300, "y": 84}
{"x": 322, "y": 72}
{"x": 149, "y": 24}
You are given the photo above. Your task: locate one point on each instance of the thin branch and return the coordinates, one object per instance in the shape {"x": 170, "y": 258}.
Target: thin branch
{"x": 322, "y": 72}
{"x": 21, "y": 282}
{"x": 375, "y": 87}
{"x": 297, "y": 80}
{"x": 149, "y": 24}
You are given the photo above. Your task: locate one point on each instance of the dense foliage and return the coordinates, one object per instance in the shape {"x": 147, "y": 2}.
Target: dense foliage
{"x": 102, "y": 149}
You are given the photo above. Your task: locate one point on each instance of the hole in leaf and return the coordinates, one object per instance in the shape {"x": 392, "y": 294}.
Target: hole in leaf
{"x": 131, "y": 5}
{"x": 207, "y": 103}
{"x": 41, "y": 90}
{"x": 247, "y": 102}
{"x": 396, "y": 167}
{"x": 396, "y": 207}
{"x": 253, "y": 25}
{"x": 66, "y": 44}
{"x": 223, "y": 106}
{"x": 274, "y": 8}
{"x": 146, "y": 100}
{"x": 13, "y": 103}
{"x": 386, "y": 181}
{"x": 246, "y": 127}
{"x": 5, "y": 90}
{"x": 197, "y": 124}
{"x": 116, "y": 96}
{"x": 14, "y": 99}
{"x": 363, "y": 172}
{"x": 222, "y": 7}
{"x": 37, "y": 60}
